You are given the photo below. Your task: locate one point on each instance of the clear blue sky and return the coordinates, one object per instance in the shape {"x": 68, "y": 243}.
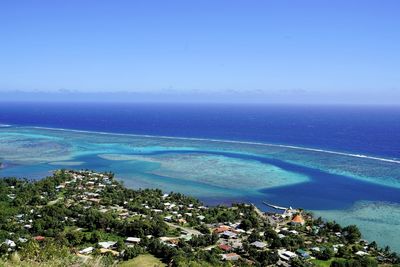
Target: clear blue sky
{"x": 311, "y": 51}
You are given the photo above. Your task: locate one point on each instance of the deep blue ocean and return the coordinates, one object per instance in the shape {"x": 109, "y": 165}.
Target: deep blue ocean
{"x": 370, "y": 130}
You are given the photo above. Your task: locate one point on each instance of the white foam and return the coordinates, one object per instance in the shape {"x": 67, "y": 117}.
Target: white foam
{"x": 228, "y": 141}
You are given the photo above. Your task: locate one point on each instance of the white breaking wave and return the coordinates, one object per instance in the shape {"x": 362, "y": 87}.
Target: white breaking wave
{"x": 226, "y": 141}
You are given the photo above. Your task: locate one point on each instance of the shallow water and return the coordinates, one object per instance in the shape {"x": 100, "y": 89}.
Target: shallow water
{"x": 329, "y": 183}
{"x": 378, "y": 220}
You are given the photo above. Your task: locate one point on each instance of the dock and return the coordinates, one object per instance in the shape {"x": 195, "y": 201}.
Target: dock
{"x": 275, "y": 206}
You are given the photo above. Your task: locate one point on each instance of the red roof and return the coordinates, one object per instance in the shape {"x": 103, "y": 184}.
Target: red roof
{"x": 39, "y": 238}
{"x": 221, "y": 229}
{"x": 298, "y": 219}
{"x": 225, "y": 247}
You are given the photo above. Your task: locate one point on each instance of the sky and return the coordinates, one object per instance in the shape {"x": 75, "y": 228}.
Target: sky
{"x": 282, "y": 51}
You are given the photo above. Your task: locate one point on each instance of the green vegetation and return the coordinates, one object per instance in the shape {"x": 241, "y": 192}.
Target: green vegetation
{"x": 84, "y": 218}
{"x": 322, "y": 263}
{"x": 145, "y": 260}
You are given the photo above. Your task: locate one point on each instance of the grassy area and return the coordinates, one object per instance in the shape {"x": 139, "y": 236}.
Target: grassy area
{"x": 322, "y": 263}
{"x": 55, "y": 201}
{"x": 71, "y": 260}
{"x": 143, "y": 261}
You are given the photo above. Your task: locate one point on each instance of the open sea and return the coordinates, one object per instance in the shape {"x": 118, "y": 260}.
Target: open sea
{"x": 341, "y": 162}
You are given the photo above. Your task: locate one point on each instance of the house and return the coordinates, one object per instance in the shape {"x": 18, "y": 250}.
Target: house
{"x": 132, "y": 240}
{"x": 22, "y": 240}
{"x": 39, "y": 238}
{"x": 361, "y": 253}
{"x": 298, "y": 220}
{"x": 258, "y": 244}
{"x": 294, "y": 232}
{"x": 286, "y": 255}
{"x": 182, "y": 221}
{"x": 229, "y": 234}
{"x": 303, "y": 254}
{"x": 96, "y": 200}
{"x": 124, "y": 215}
{"x": 237, "y": 244}
{"x": 317, "y": 249}
{"x": 107, "y": 244}
{"x": 87, "y": 250}
{"x": 225, "y": 247}
{"x": 222, "y": 229}
{"x": 336, "y": 247}
{"x": 230, "y": 257}
{"x": 172, "y": 242}
{"x": 201, "y": 217}
{"x": 10, "y": 243}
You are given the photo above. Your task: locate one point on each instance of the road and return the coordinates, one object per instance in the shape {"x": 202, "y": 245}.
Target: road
{"x": 190, "y": 231}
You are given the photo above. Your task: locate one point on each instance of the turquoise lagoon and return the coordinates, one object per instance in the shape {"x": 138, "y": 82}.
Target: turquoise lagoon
{"x": 347, "y": 188}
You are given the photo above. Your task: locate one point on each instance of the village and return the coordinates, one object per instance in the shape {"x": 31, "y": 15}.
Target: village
{"x": 97, "y": 216}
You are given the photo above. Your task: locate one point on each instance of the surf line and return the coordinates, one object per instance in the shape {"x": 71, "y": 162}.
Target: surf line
{"x": 225, "y": 141}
